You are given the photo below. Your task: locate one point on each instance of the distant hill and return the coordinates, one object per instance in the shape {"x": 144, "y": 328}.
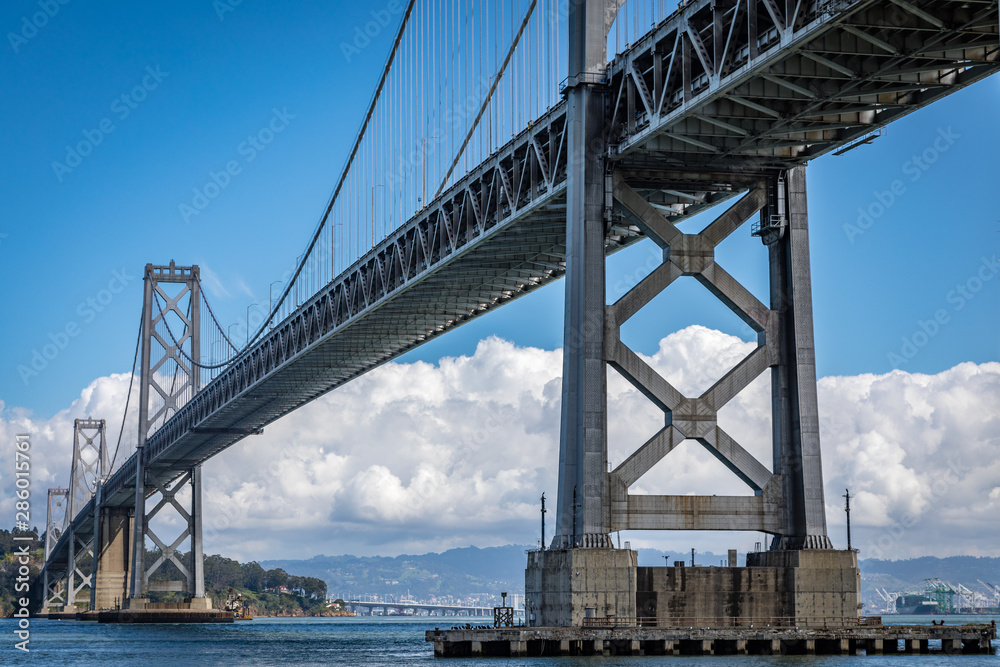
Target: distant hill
{"x": 957, "y": 569}
{"x": 471, "y": 572}
{"x": 909, "y": 575}
{"x": 459, "y": 573}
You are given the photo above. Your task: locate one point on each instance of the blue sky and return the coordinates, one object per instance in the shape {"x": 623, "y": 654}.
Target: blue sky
{"x": 208, "y": 78}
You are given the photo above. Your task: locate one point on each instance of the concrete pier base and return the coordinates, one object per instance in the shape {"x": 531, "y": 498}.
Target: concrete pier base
{"x": 564, "y": 586}
{"x": 645, "y": 640}
{"x": 112, "y": 559}
{"x": 166, "y": 616}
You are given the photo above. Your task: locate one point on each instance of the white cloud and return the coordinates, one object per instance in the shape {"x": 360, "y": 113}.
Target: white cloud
{"x": 422, "y": 457}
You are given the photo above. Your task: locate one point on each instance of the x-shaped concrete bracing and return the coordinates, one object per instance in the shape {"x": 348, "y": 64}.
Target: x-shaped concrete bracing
{"x": 692, "y": 418}
{"x": 168, "y": 493}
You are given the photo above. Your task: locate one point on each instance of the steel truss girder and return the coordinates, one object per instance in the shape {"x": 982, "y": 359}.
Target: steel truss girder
{"x": 740, "y": 83}
{"x": 687, "y": 417}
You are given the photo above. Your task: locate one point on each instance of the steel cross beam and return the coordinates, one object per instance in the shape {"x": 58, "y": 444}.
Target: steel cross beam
{"x": 723, "y": 85}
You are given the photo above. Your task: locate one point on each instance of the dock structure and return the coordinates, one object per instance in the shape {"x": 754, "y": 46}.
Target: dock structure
{"x": 705, "y": 638}
{"x": 165, "y": 613}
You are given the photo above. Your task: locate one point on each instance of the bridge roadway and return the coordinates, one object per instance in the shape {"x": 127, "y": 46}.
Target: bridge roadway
{"x": 710, "y": 100}
{"x": 420, "y": 606}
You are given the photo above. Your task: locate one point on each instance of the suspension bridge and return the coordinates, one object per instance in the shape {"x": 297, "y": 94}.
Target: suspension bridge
{"x": 506, "y": 145}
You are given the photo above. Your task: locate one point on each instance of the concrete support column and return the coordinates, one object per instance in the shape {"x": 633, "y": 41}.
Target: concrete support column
{"x": 635, "y": 648}
{"x": 197, "y": 547}
{"x": 518, "y": 649}
{"x": 809, "y": 646}
{"x": 775, "y": 647}
{"x": 873, "y": 647}
{"x": 95, "y": 545}
{"x": 583, "y": 517}
{"x": 476, "y": 648}
{"x": 137, "y": 586}
{"x": 71, "y": 570}
{"x": 951, "y": 646}
{"x": 793, "y": 380}
{"x": 113, "y": 555}
{"x": 564, "y": 647}
{"x": 708, "y": 647}
{"x": 741, "y": 647}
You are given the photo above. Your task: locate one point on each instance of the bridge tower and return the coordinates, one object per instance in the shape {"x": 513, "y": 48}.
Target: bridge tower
{"x": 582, "y": 573}
{"x": 87, "y": 471}
{"x": 170, "y": 376}
{"x": 54, "y": 576}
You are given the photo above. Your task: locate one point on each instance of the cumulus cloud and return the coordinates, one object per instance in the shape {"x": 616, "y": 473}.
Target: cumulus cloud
{"x": 422, "y": 457}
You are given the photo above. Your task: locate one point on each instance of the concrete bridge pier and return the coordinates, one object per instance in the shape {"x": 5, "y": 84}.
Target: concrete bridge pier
{"x": 582, "y": 575}
{"x": 111, "y": 580}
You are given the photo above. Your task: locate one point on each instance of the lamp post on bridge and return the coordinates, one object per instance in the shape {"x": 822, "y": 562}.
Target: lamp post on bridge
{"x": 248, "y": 322}
{"x": 270, "y": 300}
{"x": 423, "y": 154}
{"x": 377, "y": 185}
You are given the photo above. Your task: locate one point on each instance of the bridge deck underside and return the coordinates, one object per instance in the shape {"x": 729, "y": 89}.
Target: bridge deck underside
{"x": 721, "y": 89}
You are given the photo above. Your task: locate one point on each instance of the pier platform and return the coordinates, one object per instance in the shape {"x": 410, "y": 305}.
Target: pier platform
{"x": 597, "y": 638}
{"x": 143, "y": 616}
{"x": 166, "y": 616}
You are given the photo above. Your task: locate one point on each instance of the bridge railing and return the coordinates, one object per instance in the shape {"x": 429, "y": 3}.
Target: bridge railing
{"x": 699, "y": 622}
